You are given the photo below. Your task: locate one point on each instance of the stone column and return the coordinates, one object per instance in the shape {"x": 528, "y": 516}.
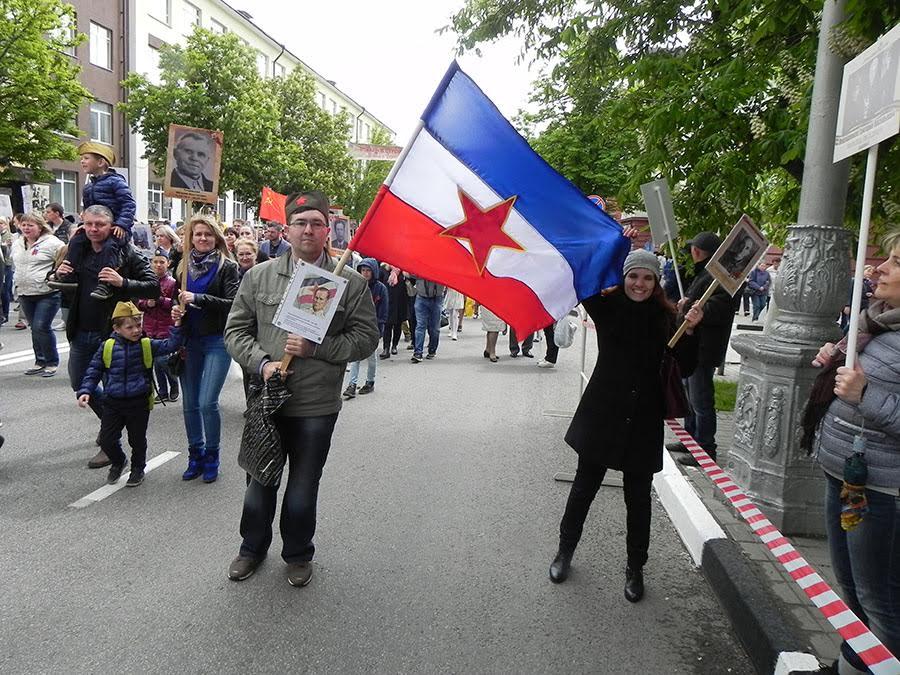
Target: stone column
{"x": 810, "y": 289}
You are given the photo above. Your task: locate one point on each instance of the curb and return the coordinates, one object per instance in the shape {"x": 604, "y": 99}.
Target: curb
{"x": 773, "y": 643}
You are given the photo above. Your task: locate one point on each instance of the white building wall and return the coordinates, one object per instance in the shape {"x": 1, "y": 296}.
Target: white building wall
{"x": 170, "y": 22}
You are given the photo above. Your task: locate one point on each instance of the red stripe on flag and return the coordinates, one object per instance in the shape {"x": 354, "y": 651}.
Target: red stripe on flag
{"x": 396, "y": 233}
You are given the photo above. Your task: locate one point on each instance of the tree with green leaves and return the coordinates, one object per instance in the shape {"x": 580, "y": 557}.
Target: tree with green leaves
{"x": 714, "y": 95}
{"x": 367, "y": 178}
{"x": 274, "y": 133}
{"x": 40, "y": 92}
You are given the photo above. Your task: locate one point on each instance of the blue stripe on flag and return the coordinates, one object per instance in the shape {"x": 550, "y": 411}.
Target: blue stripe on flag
{"x": 468, "y": 124}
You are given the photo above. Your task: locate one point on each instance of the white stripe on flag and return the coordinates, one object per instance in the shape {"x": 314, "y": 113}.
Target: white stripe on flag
{"x": 429, "y": 180}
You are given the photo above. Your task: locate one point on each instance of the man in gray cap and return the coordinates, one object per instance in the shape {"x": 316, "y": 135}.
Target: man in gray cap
{"x": 713, "y": 335}
{"x": 306, "y": 420}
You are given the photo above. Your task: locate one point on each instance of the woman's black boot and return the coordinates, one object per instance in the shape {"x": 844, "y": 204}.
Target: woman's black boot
{"x": 559, "y": 568}
{"x": 634, "y": 584}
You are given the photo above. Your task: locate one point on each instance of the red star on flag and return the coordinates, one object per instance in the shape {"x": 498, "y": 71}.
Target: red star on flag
{"x": 483, "y": 229}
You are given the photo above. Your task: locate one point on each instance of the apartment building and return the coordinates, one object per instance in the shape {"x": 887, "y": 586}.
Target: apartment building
{"x": 153, "y": 23}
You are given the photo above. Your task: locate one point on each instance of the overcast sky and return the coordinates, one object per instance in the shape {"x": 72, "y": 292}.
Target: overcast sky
{"x": 387, "y": 56}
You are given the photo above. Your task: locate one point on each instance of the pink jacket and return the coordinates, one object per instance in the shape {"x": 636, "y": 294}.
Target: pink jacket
{"x": 158, "y": 319}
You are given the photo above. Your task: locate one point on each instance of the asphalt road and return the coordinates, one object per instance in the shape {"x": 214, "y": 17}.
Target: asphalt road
{"x": 438, "y": 519}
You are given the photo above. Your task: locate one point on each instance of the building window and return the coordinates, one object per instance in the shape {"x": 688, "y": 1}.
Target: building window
{"x": 240, "y": 210}
{"x": 65, "y": 34}
{"x": 333, "y": 107}
{"x": 159, "y": 9}
{"x": 279, "y": 70}
{"x": 159, "y": 207}
{"x": 220, "y": 208}
{"x": 368, "y": 135}
{"x": 101, "y": 122}
{"x": 322, "y": 100}
{"x": 191, "y": 14}
{"x": 262, "y": 64}
{"x": 217, "y": 27}
{"x": 101, "y": 46}
{"x": 64, "y": 190}
{"x": 154, "y": 75}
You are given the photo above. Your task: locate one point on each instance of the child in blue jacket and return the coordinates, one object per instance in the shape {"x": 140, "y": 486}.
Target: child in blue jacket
{"x": 369, "y": 269}
{"x": 106, "y": 188}
{"x": 125, "y": 364}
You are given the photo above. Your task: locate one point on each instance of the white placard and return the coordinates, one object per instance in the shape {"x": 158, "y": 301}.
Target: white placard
{"x": 658, "y": 202}
{"x": 870, "y": 97}
{"x": 6, "y": 206}
{"x": 310, "y": 301}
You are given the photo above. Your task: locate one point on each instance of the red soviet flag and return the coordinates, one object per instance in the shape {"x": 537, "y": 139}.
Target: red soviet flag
{"x": 271, "y": 207}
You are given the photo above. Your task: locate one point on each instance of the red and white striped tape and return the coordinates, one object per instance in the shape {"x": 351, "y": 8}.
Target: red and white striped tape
{"x": 869, "y": 648}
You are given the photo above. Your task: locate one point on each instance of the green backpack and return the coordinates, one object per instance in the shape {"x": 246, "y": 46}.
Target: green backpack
{"x": 146, "y": 352}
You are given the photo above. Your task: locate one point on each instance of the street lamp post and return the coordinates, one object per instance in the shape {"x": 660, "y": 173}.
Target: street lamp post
{"x": 809, "y": 291}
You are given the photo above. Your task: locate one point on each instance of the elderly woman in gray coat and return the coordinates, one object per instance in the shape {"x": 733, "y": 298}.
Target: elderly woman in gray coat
{"x": 866, "y": 406}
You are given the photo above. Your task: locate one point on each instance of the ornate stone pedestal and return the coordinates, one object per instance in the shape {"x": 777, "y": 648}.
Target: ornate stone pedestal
{"x": 810, "y": 289}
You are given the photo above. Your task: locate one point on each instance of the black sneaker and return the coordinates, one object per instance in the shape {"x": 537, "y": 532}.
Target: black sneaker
{"x": 161, "y": 399}
{"x": 367, "y": 388}
{"x": 430, "y": 355}
{"x": 350, "y": 391}
{"x": 173, "y": 396}
{"x": 135, "y": 478}
{"x": 416, "y": 358}
{"x": 115, "y": 472}
{"x": 677, "y": 446}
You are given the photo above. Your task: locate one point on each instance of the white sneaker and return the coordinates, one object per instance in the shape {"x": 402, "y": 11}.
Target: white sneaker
{"x": 545, "y": 364}
{"x": 454, "y": 338}
{"x": 58, "y": 325}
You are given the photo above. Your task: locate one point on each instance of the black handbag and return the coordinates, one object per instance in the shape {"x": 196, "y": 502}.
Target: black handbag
{"x": 175, "y": 362}
{"x": 675, "y": 400}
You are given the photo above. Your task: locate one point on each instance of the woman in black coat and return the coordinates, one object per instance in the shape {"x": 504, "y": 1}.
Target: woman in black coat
{"x": 619, "y": 421}
{"x": 398, "y": 300}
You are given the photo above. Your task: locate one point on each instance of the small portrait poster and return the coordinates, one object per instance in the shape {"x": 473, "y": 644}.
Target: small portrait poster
{"x": 193, "y": 160}
{"x": 741, "y": 251}
{"x": 142, "y": 237}
{"x": 309, "y": 304}
{"x": 340, "y": 233}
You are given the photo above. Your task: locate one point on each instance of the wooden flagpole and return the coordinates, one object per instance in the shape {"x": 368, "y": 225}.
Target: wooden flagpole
{"x": 683, "y": 327}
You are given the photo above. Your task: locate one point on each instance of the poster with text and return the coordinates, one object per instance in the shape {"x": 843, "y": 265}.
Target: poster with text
{"x": 193, "y": 161}
{"x": 309, "y": 304}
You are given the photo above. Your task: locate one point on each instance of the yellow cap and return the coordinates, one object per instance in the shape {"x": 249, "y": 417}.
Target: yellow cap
{"x": 102, "y": 149}
{"x": 125, "y": 309}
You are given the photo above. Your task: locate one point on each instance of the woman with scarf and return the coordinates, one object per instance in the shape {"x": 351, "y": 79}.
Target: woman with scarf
{"x": 208, "y": 282}
{"x": 852, "y": 423}
{"x": 619, "y": 421}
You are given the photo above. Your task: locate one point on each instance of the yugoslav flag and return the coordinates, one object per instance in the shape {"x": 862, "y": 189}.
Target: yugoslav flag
{"x": 469, "y": 204}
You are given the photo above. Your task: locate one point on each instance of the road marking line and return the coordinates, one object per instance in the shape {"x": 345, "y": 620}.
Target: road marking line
{"x": 107, "y": 490}
{"x": 27, "y": 355}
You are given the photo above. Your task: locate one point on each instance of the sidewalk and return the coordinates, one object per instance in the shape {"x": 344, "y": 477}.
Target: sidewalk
{"x": 811, "y": 631}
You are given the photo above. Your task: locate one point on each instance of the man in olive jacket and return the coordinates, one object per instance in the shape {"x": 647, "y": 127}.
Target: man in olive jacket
{"x": 306, "y": 420}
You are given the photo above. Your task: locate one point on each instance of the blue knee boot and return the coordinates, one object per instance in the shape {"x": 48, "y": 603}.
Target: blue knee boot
{"x": 195, "y": 465}
{"x": 210, "y": 466}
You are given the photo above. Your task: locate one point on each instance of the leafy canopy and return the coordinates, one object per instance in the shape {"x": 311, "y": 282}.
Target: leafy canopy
{"x": 39, "y": 89}
{"x": 274, "y": 133}
{"x": 713, "y": 94}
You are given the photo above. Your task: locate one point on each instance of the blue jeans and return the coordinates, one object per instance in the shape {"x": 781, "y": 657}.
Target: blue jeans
{"x": 39, "y": 312}
{"x": 428, "y": 317}
{"x": 371, "y": 367}
{"x": 759, "y": 302}
{"x": 6, "y": 291}
{"x": 866, "y": 562}
{"x": 166, "y": 384}
{"x": 81, "y": 351}
{"x": 205, "y": 368}
{"x": 305, "y": 441}
{"x": 702, "y": 395}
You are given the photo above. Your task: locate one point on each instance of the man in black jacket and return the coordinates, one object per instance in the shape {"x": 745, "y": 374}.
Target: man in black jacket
{"x": 713, "y": 335}
{"x": 88, "y": 324}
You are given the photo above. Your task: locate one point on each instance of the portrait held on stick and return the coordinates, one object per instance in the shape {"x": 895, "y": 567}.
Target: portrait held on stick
{"x": 193, "y": 160}
{"x": 738, "y": 255}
